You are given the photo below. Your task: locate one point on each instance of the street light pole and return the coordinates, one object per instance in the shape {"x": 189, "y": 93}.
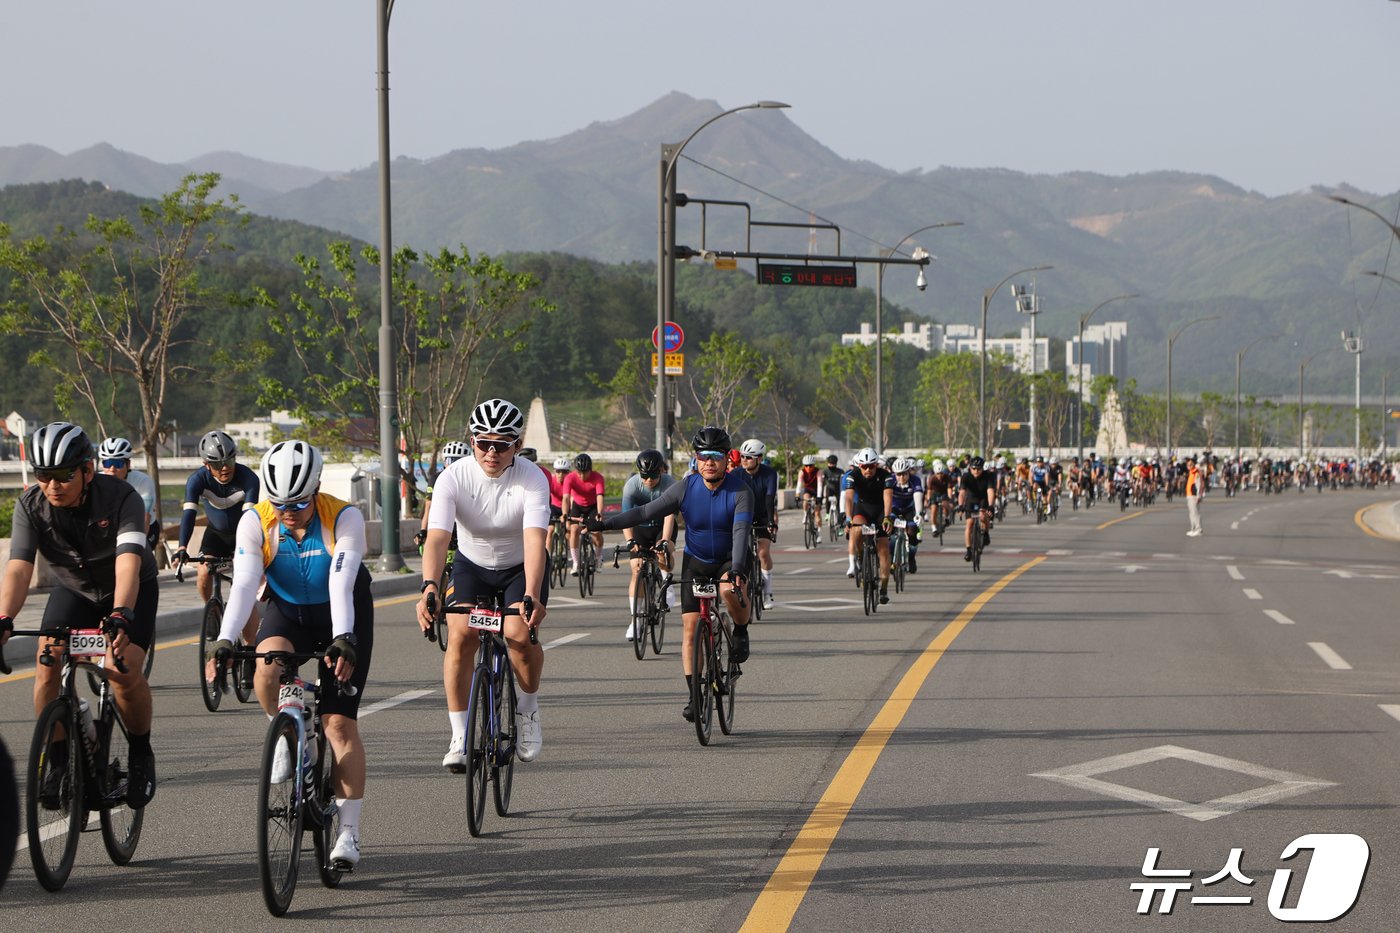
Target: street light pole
{"x": 390, "y": 559}
{"x": 1353, "y": 344}
{"x": 879, "y": 443}
{"x": 1302, "y": 366}
{"x": 666, "y": 258}
{"x": 1084, "y": 319}
{"x": 1239, "y": 361}
{"x": 1171, "y": 341}
{"x": 982, "y": 439}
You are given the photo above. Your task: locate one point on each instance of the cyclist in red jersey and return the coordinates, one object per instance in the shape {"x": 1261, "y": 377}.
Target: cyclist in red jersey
{"x": 583, "y": 497}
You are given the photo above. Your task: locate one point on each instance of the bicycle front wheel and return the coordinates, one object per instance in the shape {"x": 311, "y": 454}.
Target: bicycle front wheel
{"x": 121, "y": 825}
{"x": 279, "y": 817}
{"x": 641, "y": 612}
{"x": 503, "y": 768}
{"x": 55, "y": 809}
{"x": 658, "y": 617}
{"x": 327, "y": 815}
{"x": 870, "y": 573}
{"x": 478, "y": 749}
{"x": 897, "y": 562}
{"x": 244, "y": 669}
{"x": 702, "y": 697}
{"x": 208, "y": 634}
{"x": 725, "y": 674}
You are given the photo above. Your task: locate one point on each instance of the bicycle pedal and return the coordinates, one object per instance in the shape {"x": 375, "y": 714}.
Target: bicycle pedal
{"x": 342, "y": 865}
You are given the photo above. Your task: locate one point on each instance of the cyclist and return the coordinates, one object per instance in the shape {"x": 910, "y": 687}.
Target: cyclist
{"x": 500, "y": 508}
{"x": 764, "y": 480}
{"x": 452, "y": 451}
{"x": 114, "y": 459}
{"x": 977, "y": 498}
{"x": 908, "y": 503}
{"x": 717, "y": 507}
{"x": 562, "y": 467}
{"x": 869, "y": 494}
{"x": 806, "y": 488}
{"x": 831, "y": 486}
{"x": 649, "y": 482}
{"x": 308, "y": 546}
{"x": 583, "y": 496}
{"x": 91, "y": 528}
{"x": 937, "y": 494}
{"x": 228, "y": 489}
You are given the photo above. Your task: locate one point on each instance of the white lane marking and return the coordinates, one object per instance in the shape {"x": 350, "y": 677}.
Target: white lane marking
{"x": 1059, "y": 553}
{"x": 836, "y": 560}
{"x": 1252, "y": 594}
{"x": 1234, "y": 572}
{"x": 1392, "y": 708}
{"x": 1278, "y": 617}
{"x": 1332, "y": 658}
{"x": 827, "y": 604}
{"x": 1234, "y": 526}
{"x": 564, "y": 640}
{"x": 406, "y": 697}
{"x": 799, "y": 570}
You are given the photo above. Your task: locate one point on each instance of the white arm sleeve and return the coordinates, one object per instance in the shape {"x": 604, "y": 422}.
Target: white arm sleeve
{"x": 247, "y": 575}
{"x": 918, "y": 503}
{"x": 345, "y": 567}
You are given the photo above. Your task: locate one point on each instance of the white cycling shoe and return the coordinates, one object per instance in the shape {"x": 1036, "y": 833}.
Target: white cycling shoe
{"x": 631, "y": 631}
{"x": 346, "y": 854}
{"x": 529, "y": 737}
{"x": 456, "y": 758}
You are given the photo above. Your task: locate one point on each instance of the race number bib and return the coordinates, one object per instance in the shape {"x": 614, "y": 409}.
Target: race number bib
{"x": 899, "y": 523}
{"x": 868, "y": 529}
{"x": 87, "y": 643}
{"x": 484, "y": 620}
{"x": 705, "y": 590}
{"x": 292, "y": 696}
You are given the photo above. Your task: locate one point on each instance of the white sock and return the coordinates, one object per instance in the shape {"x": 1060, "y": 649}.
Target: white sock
{"x": 673, "y": 598}
{"x": 850, "y": 562}
{"x": 528, "y": 702}
{"x": 350, "y": 815}
{"x": 459, "y": 723}
{"x": 631, "y": 605}
{"x": 573, "y": 554}
{"x": 768, "y": 582}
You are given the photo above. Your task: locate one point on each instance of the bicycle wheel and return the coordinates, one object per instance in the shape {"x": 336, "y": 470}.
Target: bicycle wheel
{"x": 503, "y": 768}
{"x": 657, "y": 616}
{"x": 326, "y": 818}
{"x": 641, "y": 612}
{"x": 977, "y": 557}
{"x": 898, "y": 558}
{"x": 208, "y": 634}
{"x": 702, "y": 697}
{"x": 121, "y": 825}
{"x": 478, "y": 748}
{"x": 243, "y": 671}
{"x": 725, "y": 674}
{"x": 55, "y": 817}
{"x": 279, "y": 818}
{"x": 871, "y": 575}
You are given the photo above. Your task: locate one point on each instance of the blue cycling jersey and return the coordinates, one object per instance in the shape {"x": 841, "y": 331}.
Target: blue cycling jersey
{"x": 223, "y": 502}
{"x": 764, "y": 481}
{"x": 904, "y": 495}
{"x": 718, "y": 521}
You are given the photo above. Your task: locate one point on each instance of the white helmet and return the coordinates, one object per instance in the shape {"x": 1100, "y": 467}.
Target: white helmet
{"x": 563, "y": 463}
{"x": 865, "y": 456}
{"x": 753, "y": 447}
{"x": 902, "y": 465}
{"x": 809, "y": 460}
{"x": 497, "y": 416}
{"x": 1001, "y": 461}
{"x": 290, "y": 472}
{"x": 453, "y": 451}
{"x": 115, "y": 448}
{"x": 940, "y": 467}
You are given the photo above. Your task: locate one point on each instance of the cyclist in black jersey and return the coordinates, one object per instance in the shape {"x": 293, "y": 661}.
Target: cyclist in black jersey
{"x": 91, "y": 528}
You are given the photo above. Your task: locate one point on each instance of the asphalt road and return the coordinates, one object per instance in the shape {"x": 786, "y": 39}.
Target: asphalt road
{"x": 994, "y": 751}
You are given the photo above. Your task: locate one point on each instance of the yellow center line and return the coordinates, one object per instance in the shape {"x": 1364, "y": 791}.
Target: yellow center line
{"x": 185, "y": 642}
{"x": 778, "y": 901}
{"x": 1117, "y": 520}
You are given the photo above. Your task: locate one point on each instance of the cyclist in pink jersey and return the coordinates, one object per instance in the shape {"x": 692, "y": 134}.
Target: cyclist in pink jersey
{"x": 583, "y": 497}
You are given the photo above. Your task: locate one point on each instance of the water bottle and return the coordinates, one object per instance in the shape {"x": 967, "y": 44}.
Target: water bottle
{"x": 89, "y": 727}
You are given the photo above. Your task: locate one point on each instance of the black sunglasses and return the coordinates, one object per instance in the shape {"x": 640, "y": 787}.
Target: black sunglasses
{"x": 499, "y": 447}
{"x": 56, "y": 476}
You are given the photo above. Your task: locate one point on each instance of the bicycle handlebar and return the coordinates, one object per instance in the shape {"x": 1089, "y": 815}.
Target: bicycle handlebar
{"x": 201, "y": 559}
{"x": 60, "y": 637}
{"x": 527, "y": 609}
{"x": 294, "y": 658}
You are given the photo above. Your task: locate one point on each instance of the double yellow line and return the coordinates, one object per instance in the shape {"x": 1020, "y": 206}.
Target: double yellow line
{"x": 787, "y": 886}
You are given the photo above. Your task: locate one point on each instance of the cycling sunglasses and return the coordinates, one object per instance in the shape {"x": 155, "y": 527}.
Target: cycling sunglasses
{"x": 711, "y": 455}
{"x": 220, "y": 464}
{"x": 499, "y": 447}
{"x": 649, "y": 475}
{"x": 301, "y": 506}
{"x": 56, "y": 476}
{"x": 114, "y": 464}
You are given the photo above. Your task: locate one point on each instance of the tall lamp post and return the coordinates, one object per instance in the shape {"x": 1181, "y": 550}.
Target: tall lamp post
{"x": 666, "y": 257}
{"x": 922, "y": 283}
{"x": 1084, "y": 319}
{"x": 1352, "y": 343}
{"x": 1239, "y": 361}
{"x": 1171, "y": 341}
{"x": 389, "y": 557}
{"x": 982, "y": 439}
{"x": 1302, "y": 366}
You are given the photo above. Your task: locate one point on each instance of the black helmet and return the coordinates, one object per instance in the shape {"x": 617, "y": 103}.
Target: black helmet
{"x": 711, "y": 438}
{"x": 583, "y": 463}
{"x": 60, "y": 445}
{"x": 216, "y": 446}
{"x": 976, "y": 463}
{"x": 528, "y": 453}
{"x": 831, "y": 460}
{"x": 650, "y": 463}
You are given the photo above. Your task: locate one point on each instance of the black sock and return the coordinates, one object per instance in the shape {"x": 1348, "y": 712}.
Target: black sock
{"x": 689, "y": 682}
{"x": 140, "y": 744}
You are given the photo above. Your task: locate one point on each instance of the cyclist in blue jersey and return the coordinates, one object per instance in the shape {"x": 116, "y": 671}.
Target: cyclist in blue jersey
{"x": 907, "y": 502}
{"x": 764, "y": 480}
{"x": 227, "y": 489}
{"x": 717, "y": 508}
{"x": 309, "y": 548}
{"x": 868, "y": 492}
{"x": 649, "y": 482}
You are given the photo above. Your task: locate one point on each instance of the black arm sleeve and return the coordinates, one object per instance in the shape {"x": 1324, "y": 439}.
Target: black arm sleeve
{"x": 668, "y": 503}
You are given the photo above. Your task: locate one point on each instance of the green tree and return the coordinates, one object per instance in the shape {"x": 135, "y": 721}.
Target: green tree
{"x": 728, "y": 381}
{"x": 1052, "y": 401}
{"x": 948, "y": 392}
{"x": 112, "y": 303}
{"x": 848, "y": 374}
{"x": 460, "y": 314}
{"x": 631, "y": 382}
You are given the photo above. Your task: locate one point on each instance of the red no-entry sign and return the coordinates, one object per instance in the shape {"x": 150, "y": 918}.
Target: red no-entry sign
{"x": 675, "y": 337}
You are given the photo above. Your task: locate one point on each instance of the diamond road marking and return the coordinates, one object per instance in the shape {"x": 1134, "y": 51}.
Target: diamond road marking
{"x": 1284, "y": 784}
{"x": 828, "y": 604}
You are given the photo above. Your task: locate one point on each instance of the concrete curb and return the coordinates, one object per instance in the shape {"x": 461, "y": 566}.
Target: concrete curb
{"x": 1383, "y": 519}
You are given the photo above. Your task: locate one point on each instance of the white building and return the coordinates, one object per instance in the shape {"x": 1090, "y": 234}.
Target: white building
{"x": 922, "y": 337}
{"x": 965, "y": 338}
{"x": 258, "y": 433}
{"x": 1105, "y": 353}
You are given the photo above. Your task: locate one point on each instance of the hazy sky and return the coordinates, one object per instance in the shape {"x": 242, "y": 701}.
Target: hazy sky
{"x": 1273, "y": 95}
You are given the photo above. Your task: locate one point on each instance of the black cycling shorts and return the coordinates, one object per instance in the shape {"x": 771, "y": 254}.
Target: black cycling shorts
{"x": 873, "y": 513}
{"x": 308, "y": 628}
{"x": 471, "y": 584}
{"x": 647, "y": 537}
{"x": 216, "y": 543}
{"x": 69, "y": 609}
{"x": 695, "y": 569}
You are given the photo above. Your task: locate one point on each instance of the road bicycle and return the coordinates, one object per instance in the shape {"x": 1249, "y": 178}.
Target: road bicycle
{"x": 713, "y": 684}
{"x": 558, "y": 557}
{"x": 491, "y": 730}
{"x": 587, "y": 560}
{"x": 899, "y": 553}
{"x": 649, "y": 608}
{"x": 79, "y": 761}
{"x": 754, "y": 584}
{"x": 834, "y": 523}
{"x": 304, "y": 800}
{"x": 221, "y": 571}
{"x": 9, "y": 811}
{"x": 979, "y": 538}
{"x": 868, "y": 567}
{"x": 938, "y": 518}
{"x": 811, "y": 524}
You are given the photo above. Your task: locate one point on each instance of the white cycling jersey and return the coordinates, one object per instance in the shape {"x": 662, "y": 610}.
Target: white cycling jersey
{"x": 490, "y": 513}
